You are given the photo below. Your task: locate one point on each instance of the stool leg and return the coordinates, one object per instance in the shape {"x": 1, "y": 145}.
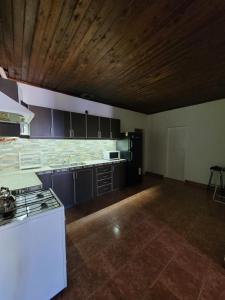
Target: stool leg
{"x": 210, "y": 179}
{"x": 215, "y": 190}
{"x": 221, "y": 181}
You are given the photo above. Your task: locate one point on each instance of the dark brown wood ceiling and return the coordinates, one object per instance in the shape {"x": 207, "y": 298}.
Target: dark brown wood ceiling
{"x": 147, "y": 56}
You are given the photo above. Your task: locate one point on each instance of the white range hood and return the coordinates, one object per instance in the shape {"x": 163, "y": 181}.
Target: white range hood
{"x": 11, "y": 108}
{"x": 13, "y": 112}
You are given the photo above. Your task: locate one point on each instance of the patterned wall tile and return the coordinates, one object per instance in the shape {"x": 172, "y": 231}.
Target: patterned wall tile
{"x": 53, "y": 151}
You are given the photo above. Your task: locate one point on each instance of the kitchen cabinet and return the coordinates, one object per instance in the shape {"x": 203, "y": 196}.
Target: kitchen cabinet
{"x": 9, "y": 88}
{"x": 103, "y": 179}
{"x": 92, "y": 126}
{"x": 61, "y": 123}
{"x": 104, "y": 128}
{"x": 9, "y": 129}
{"x": 46, "y": 180}
{"x": 83, "y": 185}
{"x": 78, "y": 125}
{"x": 63, "y": 186}
{"x": 119, "y": 175}
{"x": 115, "y": 128}
{"x": 41, "y": 125}
{"x": 54, "y": 123}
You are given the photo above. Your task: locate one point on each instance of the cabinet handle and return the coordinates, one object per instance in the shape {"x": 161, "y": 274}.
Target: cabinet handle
{"x": 110, "y": 134}
{"x": 99, "y": 134}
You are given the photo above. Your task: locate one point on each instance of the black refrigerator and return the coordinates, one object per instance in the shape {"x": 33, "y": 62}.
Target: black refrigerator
{"x": 130, "y": 147}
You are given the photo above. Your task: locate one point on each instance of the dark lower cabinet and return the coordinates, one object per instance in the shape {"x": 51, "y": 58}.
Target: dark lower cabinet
{"x": 61, "y": 123}
{"x": 46, "y": 179}
{"x": 92, "y": 127}
{"x": 41, "y": 125}
{"x": 119, "y": 175}
{"x": 115, "y": 128}
{"x": 9, "y": 129}
{"x": 83, "y": 185}
{"x": 63, "y": 186}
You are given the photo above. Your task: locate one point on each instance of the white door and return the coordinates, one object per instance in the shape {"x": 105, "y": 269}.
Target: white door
{"x": 176, "y": 150}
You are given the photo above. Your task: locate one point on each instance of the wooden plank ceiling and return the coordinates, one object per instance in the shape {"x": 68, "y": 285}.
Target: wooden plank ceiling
{"x": 147, "y": 56}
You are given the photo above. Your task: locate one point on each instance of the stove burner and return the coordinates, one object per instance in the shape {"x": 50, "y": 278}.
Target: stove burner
{"x": 40, "y": 195}
{"x": 29, "y": 204}
{"x": 44, "y": 205}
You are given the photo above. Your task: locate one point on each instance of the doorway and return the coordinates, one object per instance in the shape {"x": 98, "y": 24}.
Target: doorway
{"x": 176, "y": 153}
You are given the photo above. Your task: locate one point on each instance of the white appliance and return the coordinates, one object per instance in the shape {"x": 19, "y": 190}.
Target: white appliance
{"x": 12, "y": 111}
{"x": 111, "y": 155}
{"x": 32, "y": 248}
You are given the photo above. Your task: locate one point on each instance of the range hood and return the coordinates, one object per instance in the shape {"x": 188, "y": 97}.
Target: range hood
{"x": 12, "y": 111}
{"x": 11, "y": 108}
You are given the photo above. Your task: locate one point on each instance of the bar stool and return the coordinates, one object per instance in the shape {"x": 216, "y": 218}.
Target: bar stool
{"x": 218, "y": 173}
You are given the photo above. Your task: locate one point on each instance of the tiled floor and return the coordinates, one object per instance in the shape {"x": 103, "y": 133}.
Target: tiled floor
{"x": 149, "y": 246}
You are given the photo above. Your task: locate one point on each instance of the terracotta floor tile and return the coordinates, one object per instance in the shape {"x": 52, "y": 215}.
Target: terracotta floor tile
{"x": 159, "y": 292}
{"x": 105, "y": 293}
{"x": 171, "y": 239}
{"x": 180, "y": 282}
{"x": 214, "y": 284}
{"x": 131, "y": 281}
{"x": 159, "y": 251}
{"x": 192, "y": 261}
{"x": 138, "y": 247}
{"x": 117, "y": 255}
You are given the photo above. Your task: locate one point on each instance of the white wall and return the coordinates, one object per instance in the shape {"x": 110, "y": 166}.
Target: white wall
{"x": 46, "y": 98}
{"x": 205, "y": 142}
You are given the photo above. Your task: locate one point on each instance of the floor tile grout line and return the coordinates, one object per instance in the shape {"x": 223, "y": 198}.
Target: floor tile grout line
{"x": 157, "y": 278}
{"x": 203, "y": 282}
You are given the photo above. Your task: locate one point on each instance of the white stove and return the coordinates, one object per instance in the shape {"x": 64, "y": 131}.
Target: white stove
{"x": 32, "y": 247}
{"x": 31, "y": 203}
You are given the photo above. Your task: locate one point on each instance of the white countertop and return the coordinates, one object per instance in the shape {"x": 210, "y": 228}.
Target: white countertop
{"x": 20, "y": 179}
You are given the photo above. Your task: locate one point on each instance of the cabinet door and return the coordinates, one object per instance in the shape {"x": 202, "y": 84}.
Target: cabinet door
{"x": 119, "y": 176}
{"x": 9, "y": 88}
{"x": 61, "y": 123}
{"x": 63, "y": 186}
{"x": 115, "y": 128}
{"x": 9, "y": 129}
{"x": 84, "y": 185}
{"x": 105, "y": 128}
{"x": 78, "y": 122}
{"x": 92, "y": 126}
{"x": 46, "y": 180}
{"x": 41, "y": 125}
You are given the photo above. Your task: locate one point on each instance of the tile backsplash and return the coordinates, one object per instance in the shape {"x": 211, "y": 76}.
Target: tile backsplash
{"x": 52, "y": 151}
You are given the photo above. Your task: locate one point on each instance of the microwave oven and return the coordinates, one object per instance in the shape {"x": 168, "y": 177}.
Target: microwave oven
{"x": 111, "y": 154}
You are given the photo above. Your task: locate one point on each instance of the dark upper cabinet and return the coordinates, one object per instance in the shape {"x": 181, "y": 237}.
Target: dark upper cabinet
{"x": 84, "y": 185}
{"x": 9, "y": 129}
{"x": 9, "y": 87}
{"x": 119, "y": 175}
{"x": 92, "y": 126}
{"x": 61, "y": 123}
{"x": 54, "y": 123}
{"x": 78, "y": 125}
{"x": 63, "y": 186}
{"x": 115, "y": 128}
{"x": 41, "y": 125}
{"x": 104, "y": 127}
{"x": 46, "y": 180}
